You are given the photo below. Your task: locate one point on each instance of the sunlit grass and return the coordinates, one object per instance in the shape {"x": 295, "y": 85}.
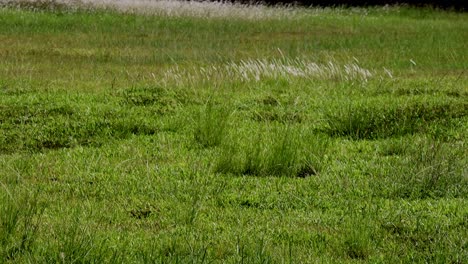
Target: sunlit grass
{"x": 163, "y": 131}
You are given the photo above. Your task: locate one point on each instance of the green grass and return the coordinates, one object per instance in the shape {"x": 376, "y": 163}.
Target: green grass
{"x": 381, "y": 118}
{"x": 328, "y": 135}
{"x": 211, "y": 125}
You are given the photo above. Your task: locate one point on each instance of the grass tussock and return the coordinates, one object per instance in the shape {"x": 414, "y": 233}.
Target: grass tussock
{"x": 369, "y": 120}
{"x": 211, "y": 124}
{"x": 283, "y": 151}
{"x": 426, "y": 168}
{"x": 40, "y": 127}
{"x": 159, "y": 99}
{"x": 435, "y": 169}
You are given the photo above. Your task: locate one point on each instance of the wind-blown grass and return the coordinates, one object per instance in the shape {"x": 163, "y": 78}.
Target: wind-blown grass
{"x": 252, "y": 70}
{"x": 171, "y": 8}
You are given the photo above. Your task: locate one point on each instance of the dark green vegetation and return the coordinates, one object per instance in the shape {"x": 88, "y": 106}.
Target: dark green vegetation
{"x": 137, "y": 138}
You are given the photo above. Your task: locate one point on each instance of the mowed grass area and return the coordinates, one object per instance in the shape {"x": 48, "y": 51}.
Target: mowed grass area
{"x": 323, "y": 135}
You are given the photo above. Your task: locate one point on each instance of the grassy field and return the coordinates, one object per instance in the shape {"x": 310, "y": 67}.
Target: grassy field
{"x": 248, "y": 135}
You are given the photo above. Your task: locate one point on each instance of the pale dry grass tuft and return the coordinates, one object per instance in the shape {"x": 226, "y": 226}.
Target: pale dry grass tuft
{"x": 177, "y": 8}
{"x": 256, "y": 70}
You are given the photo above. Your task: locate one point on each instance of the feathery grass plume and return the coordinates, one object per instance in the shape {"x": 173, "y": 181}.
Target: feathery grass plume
{"x": 172, "y": 8}
{"x": 257, "y": 70}
{"x": 290, "y": 68}
{"x": 44, "y": 5}
{"x": 253, "y": 10}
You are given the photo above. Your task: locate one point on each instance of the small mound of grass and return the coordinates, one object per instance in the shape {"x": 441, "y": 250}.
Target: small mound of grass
{"x": 276, "y": 151}
{"x": 435, "y": 170}
{"x": 162, "y": 100}
{"x": 39, "y": 127}
{"x": 280, "y": 108}
{"x": 377, "y": 120}
{"x": 275, "y": 115}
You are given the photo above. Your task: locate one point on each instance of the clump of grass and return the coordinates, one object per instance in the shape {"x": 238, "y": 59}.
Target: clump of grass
{"x": 431, "y": 169}
{"x": 271, "y": 109}
{"x": 19, "y": 223}
{"x": 280, "y": 151}
{"x": 211, "y": 124}
{"x": 359, "y": 232}
{"x": 435, "y": 170}
{"x": 161, "y": 100}
{"x": 276, "y": 157}
{"x": 363, "y": 120}
{"x": 259, "y": 70}
{"x": 54, "y": 127}
{"x": 75, "y": 243}
{"x": 357, "y": 243}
